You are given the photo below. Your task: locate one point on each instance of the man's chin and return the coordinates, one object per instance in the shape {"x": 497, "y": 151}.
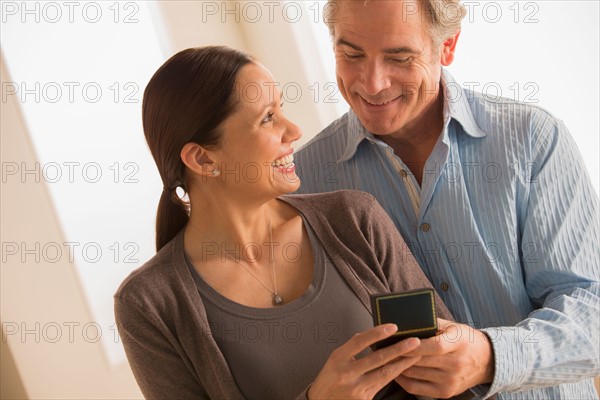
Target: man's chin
{"x": 377, "y": 129}
{"x": 378, "y": 124}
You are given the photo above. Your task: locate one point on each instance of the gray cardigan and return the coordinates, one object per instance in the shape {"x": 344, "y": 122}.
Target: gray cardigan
{"x": 163, "y": 324}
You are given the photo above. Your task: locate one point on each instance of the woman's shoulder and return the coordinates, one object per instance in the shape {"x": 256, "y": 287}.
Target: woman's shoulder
{"x": 342, "y": 210}
{"x": 153, "y": 278}
{"x": 349, "y": 200}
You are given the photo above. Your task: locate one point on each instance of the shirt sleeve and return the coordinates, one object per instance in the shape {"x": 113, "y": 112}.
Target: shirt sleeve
{"x": 559, "y": 254}
{"x": 159, "y": 370}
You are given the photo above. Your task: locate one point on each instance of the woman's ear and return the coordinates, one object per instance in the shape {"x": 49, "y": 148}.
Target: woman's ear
{"x": 199, "y": 160}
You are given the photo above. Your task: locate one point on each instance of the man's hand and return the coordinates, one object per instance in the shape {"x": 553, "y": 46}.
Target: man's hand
{"x": 456, "y": 359}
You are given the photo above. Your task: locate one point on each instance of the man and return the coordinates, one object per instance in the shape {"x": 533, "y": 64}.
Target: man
{"x": 492, "y": 198}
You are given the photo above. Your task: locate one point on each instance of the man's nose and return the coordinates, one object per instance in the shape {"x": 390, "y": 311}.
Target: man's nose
{"x": 375, "y": 77}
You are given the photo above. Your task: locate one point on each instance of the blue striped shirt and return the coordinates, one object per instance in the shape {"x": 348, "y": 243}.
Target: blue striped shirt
{"x": 505, "y": 225}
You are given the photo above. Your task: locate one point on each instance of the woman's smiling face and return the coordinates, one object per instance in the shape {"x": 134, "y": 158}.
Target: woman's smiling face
{"x": 256, "y": 147}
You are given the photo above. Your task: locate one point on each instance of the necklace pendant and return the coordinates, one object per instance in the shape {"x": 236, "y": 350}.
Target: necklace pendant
{"x": 277, "y": 299}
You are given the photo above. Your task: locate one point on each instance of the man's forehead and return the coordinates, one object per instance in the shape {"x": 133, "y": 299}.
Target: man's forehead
{"x": 383, "y": 26}
{"x": 379, "y": 16}
{"x": 406, "y": 9}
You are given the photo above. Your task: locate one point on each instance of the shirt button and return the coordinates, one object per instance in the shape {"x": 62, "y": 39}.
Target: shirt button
{"x": 444, "y": 286}
{"x": 425, "y": 227}
{"x": 403, "y": 173}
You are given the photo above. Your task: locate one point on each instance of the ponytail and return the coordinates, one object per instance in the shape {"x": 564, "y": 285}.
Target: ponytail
{"x": 186, "y": 100}
{"x": 171, "y": 217}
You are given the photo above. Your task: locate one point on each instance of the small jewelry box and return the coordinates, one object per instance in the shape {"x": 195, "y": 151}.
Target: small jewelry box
{"x": 413, "y": 312}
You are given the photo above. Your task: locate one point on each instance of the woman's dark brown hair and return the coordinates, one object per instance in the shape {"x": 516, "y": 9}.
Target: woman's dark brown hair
{"x": 186, "y": 100}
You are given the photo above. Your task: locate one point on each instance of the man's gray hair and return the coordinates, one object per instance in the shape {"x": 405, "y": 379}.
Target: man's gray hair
{"x": 443, "y": 17}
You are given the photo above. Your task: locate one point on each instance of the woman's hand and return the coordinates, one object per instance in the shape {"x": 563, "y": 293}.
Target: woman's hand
{"x": 344, "y": 376}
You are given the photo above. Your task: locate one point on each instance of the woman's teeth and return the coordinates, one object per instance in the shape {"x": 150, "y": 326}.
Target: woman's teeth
{"x": 286, "y": 161}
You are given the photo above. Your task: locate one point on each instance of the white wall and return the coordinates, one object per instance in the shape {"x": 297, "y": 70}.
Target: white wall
{"x": 42, "y": 301}
{"x": 545, "y": 53}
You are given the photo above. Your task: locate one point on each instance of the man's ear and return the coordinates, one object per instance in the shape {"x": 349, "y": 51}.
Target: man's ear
{"x": 198, "y": 159}
{"x": 448, "y": 49}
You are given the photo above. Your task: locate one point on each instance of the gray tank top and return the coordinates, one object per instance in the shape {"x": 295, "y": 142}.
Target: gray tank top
{"x": 275, "y": 353}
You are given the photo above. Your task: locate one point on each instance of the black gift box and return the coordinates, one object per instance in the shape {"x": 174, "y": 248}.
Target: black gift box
{"x": 413, "y": 312}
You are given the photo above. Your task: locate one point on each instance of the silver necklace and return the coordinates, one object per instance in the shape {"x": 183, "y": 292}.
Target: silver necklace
{"x": 276, "y": 297}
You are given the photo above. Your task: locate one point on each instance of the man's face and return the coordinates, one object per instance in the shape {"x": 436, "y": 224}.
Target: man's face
{"x": 387, "y": 70}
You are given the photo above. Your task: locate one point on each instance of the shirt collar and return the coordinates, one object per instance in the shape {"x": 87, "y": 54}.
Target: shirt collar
{"x": 456, "y": 106}
{"x": 356, "y": 133}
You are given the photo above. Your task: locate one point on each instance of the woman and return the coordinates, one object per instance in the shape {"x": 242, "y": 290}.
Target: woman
{"x": 253, "y": 293}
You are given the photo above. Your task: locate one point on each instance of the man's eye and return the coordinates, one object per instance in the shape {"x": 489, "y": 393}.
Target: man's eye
{"x": 268, "y": 118}
{"x": 402, "y": 60}
{"x": 352, "y": 56}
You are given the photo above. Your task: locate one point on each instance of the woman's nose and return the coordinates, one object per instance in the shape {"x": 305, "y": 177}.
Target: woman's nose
{"x": 292, "y": 131}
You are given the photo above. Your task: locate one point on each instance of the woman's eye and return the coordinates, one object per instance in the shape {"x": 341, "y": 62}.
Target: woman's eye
{"x": 268, "y": 118}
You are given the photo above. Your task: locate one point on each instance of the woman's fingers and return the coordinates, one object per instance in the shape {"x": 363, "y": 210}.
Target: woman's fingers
{"x": 381, "y": 376}
{"x": 343, "y": 375}
{"x": 386, "y": 355}
{"x": 363, "y": 340}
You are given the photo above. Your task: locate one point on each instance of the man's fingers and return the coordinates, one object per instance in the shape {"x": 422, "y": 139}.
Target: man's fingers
{"x": 415, "y": 386}
{"x": 437, "y": 388}
{"x": 421, "y": 373}
{"x": 446, "y": 341}
{"x": 441, "y": 363}
{"x": 444, "y": 324}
